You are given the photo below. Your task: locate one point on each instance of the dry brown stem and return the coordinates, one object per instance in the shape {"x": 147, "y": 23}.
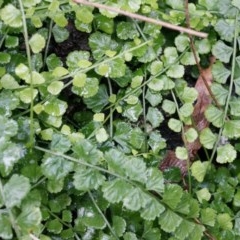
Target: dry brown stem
{"x": 145, "y": 19}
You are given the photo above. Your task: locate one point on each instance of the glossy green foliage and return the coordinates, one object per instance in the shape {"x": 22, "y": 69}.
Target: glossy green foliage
{"x": 90, "y": 102}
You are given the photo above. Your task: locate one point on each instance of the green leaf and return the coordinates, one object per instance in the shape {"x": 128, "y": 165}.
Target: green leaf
{"x": 220, "y": 93}
{"x": 169, "y": 221}
{"x": 189, "y": 95}
{"x": 184, "y": 229}
{"x": 90, "y": 217}
{"x": 220, "y": 73}
{"x": 85, "y": 151}
{"x": 155, "y": 180}
{"x": 133, "y": 112}
{"x": 115, "y": 191}
{"x": 203, "y": 194}
{"x": 188, "y": 59}
{"x": 152, "y": 210}
{"x": 60, "y": 71}
{"x": 157, "y": 84}
{"x": 226, "y": 154}
{"x": 130, "y": 236}
{"x": 191, "y": 135}
{"x": 225, "y": 30}
{"x": 10, "y": 153}
{"x": 130, "y": 5}
{"x": 135, "y": 169}
{"x": 8, "y": 82}
{"x": 156, "y": 142}
{"x": 203, "y": 46}
{"x": 207, "y": 138}
{"x": 181, "y": 42}
{"x": 15, "y": 190}
{"x": 231, "y": 129}
{"x": 56, "y": 167}
{"x": 225, "y": 221}
{"x": 5, "y": 227}
{"x": 8, "y": 127}
{"x": 199, "y": 170}
{"x": 170, "y": 55}
{"x": 60, "y": 34}
{"x": 117, "y": 68}
{"x": 87, "y": 179}
{"x": 89, "y": 89}
{"x": 197, "y": 232}
{"x": 54, "y": 226}
{"x": 59, "y": 203}
{"x": 135, "y": 199}
{"x": 60, "y": 143}
{"x": 170, "y": 193}
{"x": 119, "y": 225}
{"x": 100, "y": 43}
{"x": 84, "y": 15}
{"x": 169, "y": 106}
{"x": 27, "y": 94}
{"x": 37, "y": 43}
{"x": 75, "y": 58}
{"x": 11, "y": 41}
{"x": 11, "y": 16}
{"x": 104, "y": 23}
{"x": 236, "y": 3}
{"x": 175, "y": 71}
{"x": 137, "y": 138}
{"x": 156, "y": 67}
{"x": 236, "y": 200}
{"x": 181, "y": 153}
{"x": 154, "y": 116}
{"x": 55, "y": 107}
{"x": 214, "y": 115}
{"x": 79, "y": 79}
{"x": 222, "y": 52}
{"x": 30, "y": 218}
{"x": 4, "y": 58}
{"x": 53, "y": 61}
{"x": 235, "y": 106}
{"x": 126, "y": 30}
{"x": 175, "y": 125}
{"x": 186, "y": 110}
{"x": 208, "y": 216}
{"x": 55, "y": 87}
{"x": 99, "y": 100}
{"x": 101, "y": 135}
{"x": 55, "y": 185}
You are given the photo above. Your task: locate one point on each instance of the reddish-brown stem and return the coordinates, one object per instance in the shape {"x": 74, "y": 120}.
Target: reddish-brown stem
{"x": 144, "y": 18}
{"x": 194, "y": 51}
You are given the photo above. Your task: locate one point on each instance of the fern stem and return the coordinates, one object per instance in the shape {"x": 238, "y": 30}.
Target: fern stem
{"x": 48, "y": 42}
{"x": 28, "y": 52}
{"x": 230, "y": 87}
{"x": 103, "y": 216}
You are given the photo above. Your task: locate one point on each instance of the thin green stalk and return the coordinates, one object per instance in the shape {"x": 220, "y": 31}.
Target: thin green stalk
{"x": 111, "y": 110}
{"x": 48, "y": 42}
{"x": 28, "y": 52}
{"x": 101, "y": 213}
{"x": 144, "y": 112}
{"x": 185, "y": 143}
{"x": 2, "y": 39}
{"x": 230, "y": 87}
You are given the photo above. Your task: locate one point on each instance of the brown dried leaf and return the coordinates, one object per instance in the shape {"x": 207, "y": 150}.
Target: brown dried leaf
{"x": 199, "y": 121}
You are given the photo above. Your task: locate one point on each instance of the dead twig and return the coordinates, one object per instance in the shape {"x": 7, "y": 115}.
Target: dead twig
{"x": 144, "y": 18}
